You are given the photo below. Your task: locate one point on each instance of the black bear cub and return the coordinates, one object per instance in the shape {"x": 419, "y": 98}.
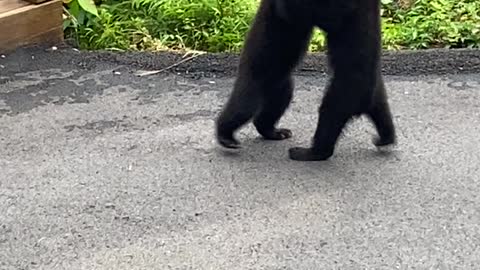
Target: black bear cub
{"x": 277, "y": 41}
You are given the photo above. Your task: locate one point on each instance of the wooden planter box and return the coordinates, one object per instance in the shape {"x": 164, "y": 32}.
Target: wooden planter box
{"x": 23, "y": 23}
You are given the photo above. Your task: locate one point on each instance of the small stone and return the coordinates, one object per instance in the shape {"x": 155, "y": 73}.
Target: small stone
{"x": 110, "y": 206}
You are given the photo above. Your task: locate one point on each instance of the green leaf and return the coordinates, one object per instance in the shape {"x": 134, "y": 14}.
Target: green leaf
{"x": 81, "y": 17}
{"x": 66, "y": 24}
{"x": 88, "y": 6}
{"x": 74, "y": 9}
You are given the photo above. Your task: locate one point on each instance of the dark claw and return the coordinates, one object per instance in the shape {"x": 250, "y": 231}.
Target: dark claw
{"x": 278, "y": 134}
{"x": 230, "y": 143}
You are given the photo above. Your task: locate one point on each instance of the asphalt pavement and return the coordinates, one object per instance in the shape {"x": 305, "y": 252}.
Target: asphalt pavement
{"x": 103, "y": 169}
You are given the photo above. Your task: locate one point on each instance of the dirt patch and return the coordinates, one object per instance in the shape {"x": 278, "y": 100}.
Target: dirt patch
{"x": 404, "y": 63}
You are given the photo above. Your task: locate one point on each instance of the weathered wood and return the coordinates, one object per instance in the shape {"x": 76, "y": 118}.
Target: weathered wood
{"x": 7, "y": 5}
{"x": 31, "y": 24}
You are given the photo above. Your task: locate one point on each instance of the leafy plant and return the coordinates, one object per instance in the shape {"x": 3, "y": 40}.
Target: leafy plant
{"x": 434, "y": 23}
{"x": 221, "y": 25}
{"x": 78, "y": 12}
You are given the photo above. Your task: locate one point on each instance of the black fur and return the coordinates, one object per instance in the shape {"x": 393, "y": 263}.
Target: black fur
{"x": 276, "y": 43}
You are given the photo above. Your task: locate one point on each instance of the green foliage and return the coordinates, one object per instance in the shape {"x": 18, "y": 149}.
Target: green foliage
{"x": 210, "y": 25}
{"x": 221, "y": 25}
{"x": 432, "y": 24}
{"x": 79, "y": 12}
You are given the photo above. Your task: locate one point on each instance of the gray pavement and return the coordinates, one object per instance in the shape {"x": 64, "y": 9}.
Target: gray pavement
{"x": 101, "y": 169}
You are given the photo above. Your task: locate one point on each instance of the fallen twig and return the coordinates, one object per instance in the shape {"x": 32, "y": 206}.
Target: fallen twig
{"x": 142, "y": 73}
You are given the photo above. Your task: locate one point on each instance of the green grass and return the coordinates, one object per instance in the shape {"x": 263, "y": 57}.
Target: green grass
{"x": 432, "y": 24}
{"x": 220, "y": 25}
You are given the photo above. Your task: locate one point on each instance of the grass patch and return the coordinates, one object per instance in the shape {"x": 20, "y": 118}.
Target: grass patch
{"x": 220, "y": 25}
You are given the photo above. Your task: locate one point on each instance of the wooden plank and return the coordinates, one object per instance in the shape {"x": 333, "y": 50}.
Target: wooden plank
{"x": 31, "y": 24}
{"x": 7, "y": 5}
{"x": 50, "y": 37}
